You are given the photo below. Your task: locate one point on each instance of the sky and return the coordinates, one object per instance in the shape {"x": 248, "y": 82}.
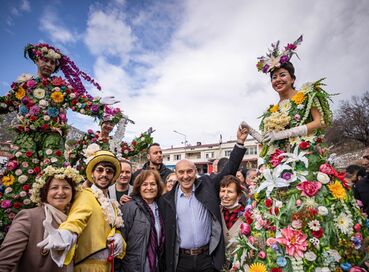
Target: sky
{"x": 189, "y": 65}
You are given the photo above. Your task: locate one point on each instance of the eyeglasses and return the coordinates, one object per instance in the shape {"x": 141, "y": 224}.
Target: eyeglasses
{"x": 366, "y": 157}
{"x": 107, "y": 170}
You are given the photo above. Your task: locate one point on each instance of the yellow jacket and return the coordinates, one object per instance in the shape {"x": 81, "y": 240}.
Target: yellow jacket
{"x": 86, "y": 219}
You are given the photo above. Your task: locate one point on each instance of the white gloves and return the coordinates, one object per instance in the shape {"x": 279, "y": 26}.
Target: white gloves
{"x": 256, "y": 135}
{"x": 272, "y": 136}
{"x": 53, "y": 240}
{"x": 118, "y": 243}
{"x": 108, "y": 100}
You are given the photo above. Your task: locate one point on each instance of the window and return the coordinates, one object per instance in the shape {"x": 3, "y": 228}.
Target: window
{"x": 167, "y": 158}
{"x": 209, "y": 155}
{"x": 227, "y": 153}
{"x": 177, "y": 157}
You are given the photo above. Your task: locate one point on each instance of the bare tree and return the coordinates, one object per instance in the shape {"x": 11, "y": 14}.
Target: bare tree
{"x": 351, "y": 121}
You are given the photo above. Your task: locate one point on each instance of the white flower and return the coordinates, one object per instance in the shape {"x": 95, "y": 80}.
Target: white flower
{"x": 26, "y": 201}
{"x": 297, "y": 224}
{"x": 35, "y": 160}
{"x": 8, "y": 190}
{"x": 23, "y": 194}
{"x": 18, "y": 172}
{"x": 18, "y": 154}
{"x": 82, "y": 111}
{"x": 25, "y": 164}
{"x": 72, "y": 95}
{"x": 285, "y": 106}
{"x": 334, "y": 253}
{"x": 344, "y": 223}
{"x": 91, "y": 150}
{"x": 56, "y": 89}
{"x": 322, "y": 210}
{"x": 53, "y": 159}
{"x": 43, "y": 103}
{"x": 46, "y": 117}
{"x": 48, "y": 151}
{"x": 39, "y": 93}
{"x": 314, "y": 225}
{"x": 300, "y": 107}
{"x": 22, "y": 179}
{"x": 315, "y": 241}
{"x": 23, "y": 78}
{"x": 278, "y": 204}
{"x": 310, "y": 202}
{"x": 44, "y": 49}
{"x": 323, "y": 178}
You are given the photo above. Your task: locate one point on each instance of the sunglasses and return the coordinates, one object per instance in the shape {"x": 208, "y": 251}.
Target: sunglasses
{"x": 107, "y": 170}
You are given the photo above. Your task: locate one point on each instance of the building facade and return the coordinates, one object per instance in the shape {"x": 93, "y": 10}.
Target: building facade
{"x": 203, "y": 155}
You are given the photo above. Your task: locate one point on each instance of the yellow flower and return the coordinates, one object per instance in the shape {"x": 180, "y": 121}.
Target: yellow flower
{"x": 274, "y": 108}
{"x": 20, "y": 93}
{"x": 337, "y": 190}
{"x": 57, "y": 97}
{"x": 258, "y": 267}
{"x": 298, "y": 98}
{"x": 7, "y": 180}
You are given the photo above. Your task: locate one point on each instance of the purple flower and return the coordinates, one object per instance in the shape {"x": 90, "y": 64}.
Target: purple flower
{"x": 34, "y": 110}
{"x": 6, "y": 204}
{"x": 90, "y": 131}
{"x": 265, "y": 68}
{"x": 284, "y": 59}
{"x": 286, "y": 175}
{"x": 95, "y": 108}
{"x": 63, "y": 117}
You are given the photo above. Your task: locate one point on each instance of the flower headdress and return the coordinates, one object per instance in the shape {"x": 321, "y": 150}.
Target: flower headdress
{"x": 274, "y": 58}
{"x": 68, "y": 67}
{"x": 59, "y": 173}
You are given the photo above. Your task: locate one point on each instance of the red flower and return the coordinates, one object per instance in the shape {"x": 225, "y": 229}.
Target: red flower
{"x": 313, "y": 211}
{"x": 276, "y": 269}
{"x": 29, "y": 154}
{"x": 58, "y": 153}
{"x": 45, "y": 126}
{"x": 318, "y": 234}
{"x": 268, "y": 202}
{"x": 25, "y": 187}
{"x": 275, "y": 158}
{"x": 37, "y": 170}
{"x": 274, "y": 210}
{"x": 17, "y": 205}
{"x": 134, "y": 143}
{"x": 248, "y": 217}
{"x": 33, "y": 118}
{"x": 57, "y": 81}
{"x": 318, "y": 140}
{"x": 309, "y": 188}
{"x": 304, "y": 145}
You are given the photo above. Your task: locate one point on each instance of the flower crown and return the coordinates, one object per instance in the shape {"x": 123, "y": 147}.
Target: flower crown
{"x": 274, "y": 58}
{"x": 59, "y": 173}
{"x": 43, "y": 50}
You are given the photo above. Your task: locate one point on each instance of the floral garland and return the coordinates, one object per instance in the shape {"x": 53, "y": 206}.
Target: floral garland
{"x": 138, "y": 144}
{"x": 274, "y": 59}
{"x": 59, "y": 173}
{"x": 109, "y": 214}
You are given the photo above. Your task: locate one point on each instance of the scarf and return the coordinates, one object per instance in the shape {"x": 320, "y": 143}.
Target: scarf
{"x": 52, "y": 214}
{"x": 230, "y": 217}
{"x": 154, "y": 248}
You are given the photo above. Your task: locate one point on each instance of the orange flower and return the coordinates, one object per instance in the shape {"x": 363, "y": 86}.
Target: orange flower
{"x": 20, "y": 93}
{"x": 274, "y": 108}
{"x": 298, "y": 98}
{"x": 258, "y": 267}
{"x": 57, "y": 97}
{"x": 337, "y": 190}
{"x": 7, "y": 180}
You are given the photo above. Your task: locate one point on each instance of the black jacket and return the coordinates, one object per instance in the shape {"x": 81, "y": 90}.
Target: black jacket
{"x": 163, "y": 171}
{"x": 207, "y": 192}
{"x": 361, "y": 192}
{"x": 136, "y": 233}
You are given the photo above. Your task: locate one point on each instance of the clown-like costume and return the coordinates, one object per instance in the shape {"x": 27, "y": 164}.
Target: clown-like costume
{"x": 42, "y": 102}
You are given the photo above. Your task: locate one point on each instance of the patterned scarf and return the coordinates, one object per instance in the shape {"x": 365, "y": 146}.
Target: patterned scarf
{"x": 154, "y": 248}
{"x": 230, "y": 217}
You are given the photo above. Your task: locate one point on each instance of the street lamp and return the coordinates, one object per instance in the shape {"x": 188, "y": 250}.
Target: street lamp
{"x": 185, "y": 140}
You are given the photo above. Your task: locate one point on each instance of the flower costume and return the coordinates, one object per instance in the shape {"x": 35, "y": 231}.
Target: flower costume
{"x": 41, "y": 123}
{"x": 305, "y": 218}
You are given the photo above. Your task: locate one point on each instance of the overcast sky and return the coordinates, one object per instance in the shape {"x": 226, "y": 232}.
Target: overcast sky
{"x": 190, "y": 65}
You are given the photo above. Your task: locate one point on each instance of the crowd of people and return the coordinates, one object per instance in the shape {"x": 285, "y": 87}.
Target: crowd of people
{"x": 92, "y": 212}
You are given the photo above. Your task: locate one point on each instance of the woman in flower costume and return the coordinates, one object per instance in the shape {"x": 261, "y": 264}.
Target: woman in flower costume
{"x": 42, "y": 102}
{"x": 305, "y": 218}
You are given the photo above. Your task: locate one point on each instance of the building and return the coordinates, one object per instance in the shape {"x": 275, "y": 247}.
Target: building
{"x": 203, "y": 155}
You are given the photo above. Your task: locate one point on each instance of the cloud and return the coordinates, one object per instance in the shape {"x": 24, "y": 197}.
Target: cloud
{"x": 202, "y": 80}
{"x": 25, "y": 6}
{"x": 107, "y": 34}
{"x": 17, "y": 10}
{"x": 51, "y": 23}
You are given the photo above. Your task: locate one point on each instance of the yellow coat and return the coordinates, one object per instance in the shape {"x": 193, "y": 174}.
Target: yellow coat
{"x": 86, "y": 219}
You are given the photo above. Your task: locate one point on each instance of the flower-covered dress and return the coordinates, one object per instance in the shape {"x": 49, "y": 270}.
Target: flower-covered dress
{"x": 305, "y": 217}
{"x": 41, "y": 123}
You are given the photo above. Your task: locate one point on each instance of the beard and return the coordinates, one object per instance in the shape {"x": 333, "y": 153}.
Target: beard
{"x": 102, "y": 187}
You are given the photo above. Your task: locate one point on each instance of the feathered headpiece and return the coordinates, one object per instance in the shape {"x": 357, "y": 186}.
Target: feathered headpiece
{"x": 274, "y": 58}
{"x": 68, "y": 67}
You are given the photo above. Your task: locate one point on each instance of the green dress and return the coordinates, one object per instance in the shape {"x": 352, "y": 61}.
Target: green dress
{"x": 304, "y": 217}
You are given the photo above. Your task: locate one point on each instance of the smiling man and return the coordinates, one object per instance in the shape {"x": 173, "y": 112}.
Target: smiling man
{"x": 94, "y": 218}
{"x": 194, "y": 240}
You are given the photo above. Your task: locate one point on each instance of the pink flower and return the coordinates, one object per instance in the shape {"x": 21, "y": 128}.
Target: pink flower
{"x": 262, "y": 255}
{"x": 6, "y": 204}
{"x": 31, "y": 83}
{"x": 356, "y": 269}
{"x": 12, "y": 165}
{"x": 275, "y": 158}
{"x": 309, "y": 188}
{"x": 245, "y": 229}
{"x": 327, "y": 169}
{"x": 295, "y": 241}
